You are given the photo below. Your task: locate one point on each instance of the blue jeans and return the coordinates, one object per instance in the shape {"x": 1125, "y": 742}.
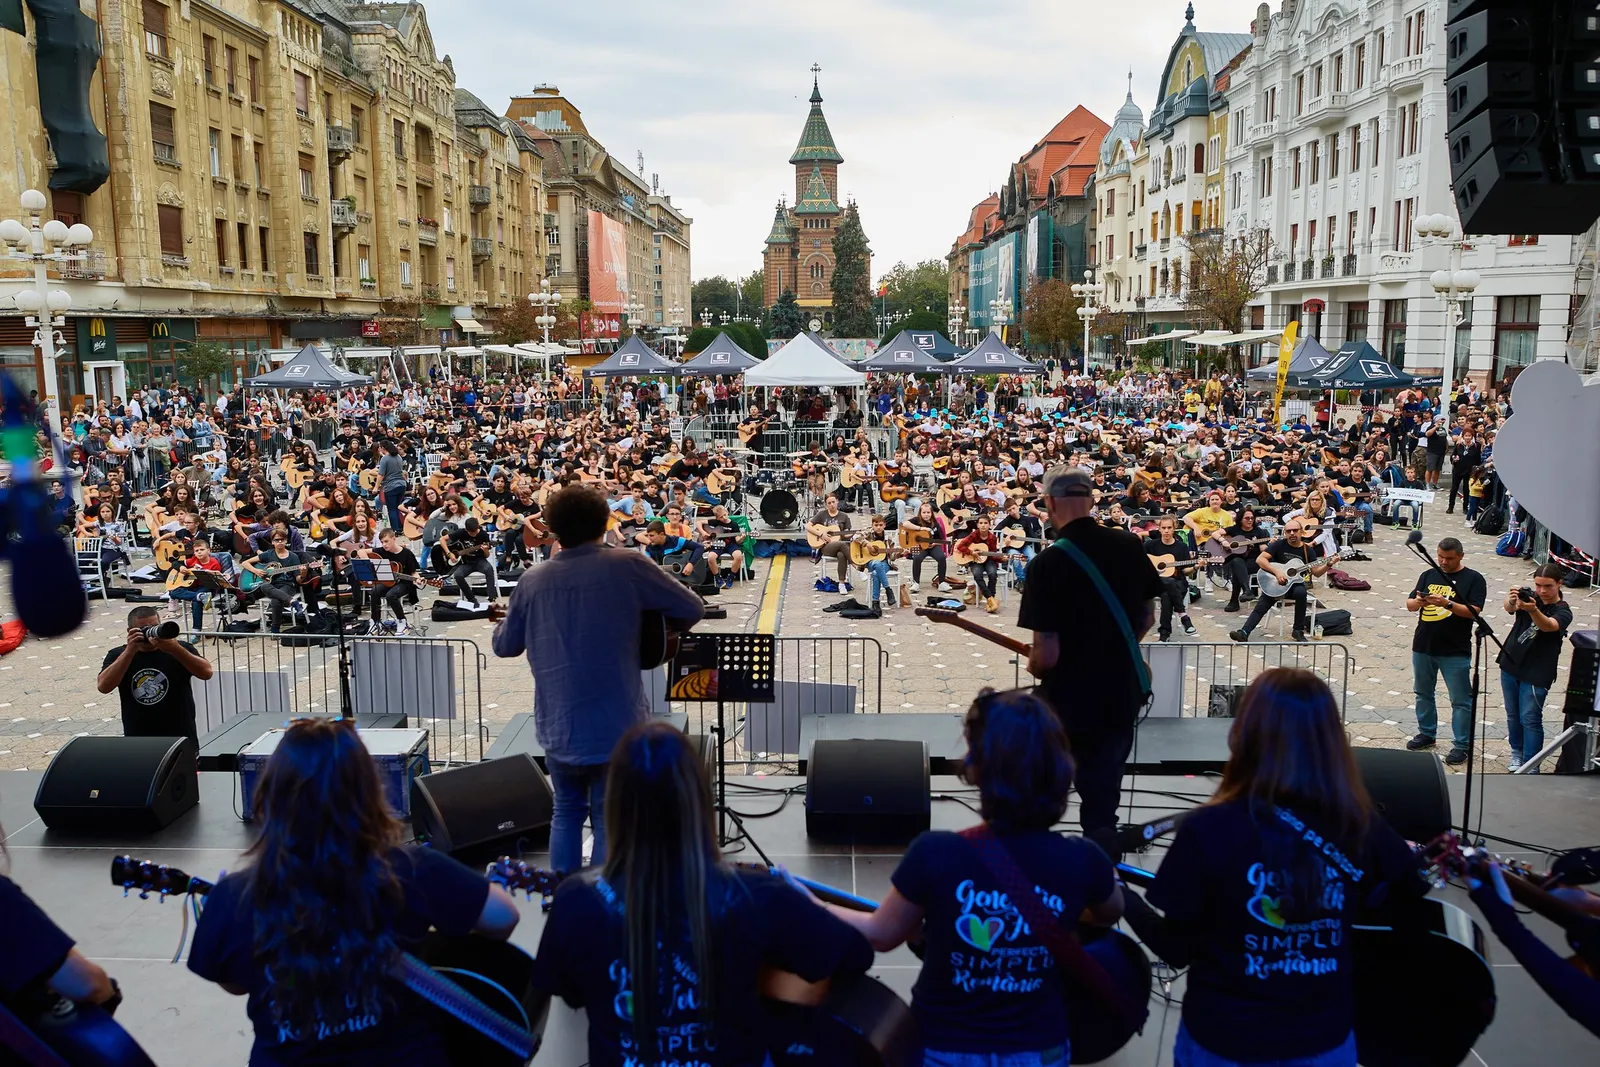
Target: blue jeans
{"x": 1050, "y": 1057}
{"x": 1364, "y": 509}
{"x": 197, "y": 602}
{"x": 1457, "y": 671}
{"x": 878, "y": 570}
{"x": 1186, "y": 1052}
{"x": 1524, "y": 716}
{"x": 580, "y": 793}
{"x": 1019, "y": 561}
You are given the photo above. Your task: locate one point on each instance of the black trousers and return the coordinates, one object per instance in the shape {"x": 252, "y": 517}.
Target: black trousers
{"x": 1100, "y": 759}
{"x": 1174, "y": 597}
{"x": 1458, "y": 484}
{"x": 478, "y": 565}
{"x": 937, "y": 553}
{"x": 984, "y": 575}
{"x": 1265, "y": 603}
{"x": 1238, "y": 570}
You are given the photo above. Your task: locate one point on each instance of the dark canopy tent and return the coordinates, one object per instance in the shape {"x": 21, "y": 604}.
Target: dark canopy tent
{"x": 309, "y": 369}
{"x": 933, "y": 342}
{"x": 902, "y": 355}
{"x": 1309, "y": 356}
{"x": 634, "y": 359}
{"x": 992, "y": 357}
{"x": 1359, "y": 366}
{"x": 721, "y": 356}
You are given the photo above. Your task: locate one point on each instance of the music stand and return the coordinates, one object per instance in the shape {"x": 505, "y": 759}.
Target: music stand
{"x": 716, "y": 668}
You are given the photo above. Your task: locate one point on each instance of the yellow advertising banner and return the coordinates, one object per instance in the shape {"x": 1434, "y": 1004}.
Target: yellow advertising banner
{"x": 1285, "y": 354}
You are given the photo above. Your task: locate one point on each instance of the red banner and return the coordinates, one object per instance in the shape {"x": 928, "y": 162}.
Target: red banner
{"x": 600, "y": 326}
{"x": 370, "y": 328}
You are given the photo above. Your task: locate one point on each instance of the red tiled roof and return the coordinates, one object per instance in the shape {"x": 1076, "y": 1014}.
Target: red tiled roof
{"x": 978, "y": 220}
{"x": 1071, "y": 146}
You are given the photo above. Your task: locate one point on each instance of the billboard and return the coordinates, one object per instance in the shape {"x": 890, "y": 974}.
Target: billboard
{"x": 596, "y": 325}
{"x": 608, "y": 263}
{"x": 992, "y": 275}
{"x": 1031, "y": 267}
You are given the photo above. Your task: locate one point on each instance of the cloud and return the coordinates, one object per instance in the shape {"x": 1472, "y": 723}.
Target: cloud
{"x": 928, "y": 100}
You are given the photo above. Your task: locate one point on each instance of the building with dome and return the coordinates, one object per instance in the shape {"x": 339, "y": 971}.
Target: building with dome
{"x": 798, "y": 256}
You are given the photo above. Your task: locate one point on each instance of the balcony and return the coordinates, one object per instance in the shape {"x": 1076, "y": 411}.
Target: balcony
{"x": 478, "y": 196}
{"x": 1308, "y": 269}
{"x": 341, "y": 142}
{"x": 1272, "y": 274}
{"x": 423, "y": 171}
{"x": 482, "y": 248}
{"x": 480, "y": 296}
{"x": 1405, "y": 71}
{"x": 1262, "y": 131}
{"x": 1166, "y": 243}
{"x": 1288, "y": 271}
{"x": 1327, "y": 266}
{"x": 1140, "y": 250}
{"x": 344, "y": 214}
{"x": 1329, "y": 108}
{"x": 89, "y": 266}
{"x": 1348, "y": 268}
{"x": 430, "y": 293}
{"x": 427, "y": 231}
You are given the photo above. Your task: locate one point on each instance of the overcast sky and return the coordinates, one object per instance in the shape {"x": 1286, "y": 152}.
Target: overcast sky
{"x": 928, "y": 100}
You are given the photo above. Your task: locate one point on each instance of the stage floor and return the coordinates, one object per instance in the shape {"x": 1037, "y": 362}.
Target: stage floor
{"x": 180, "y": 1019}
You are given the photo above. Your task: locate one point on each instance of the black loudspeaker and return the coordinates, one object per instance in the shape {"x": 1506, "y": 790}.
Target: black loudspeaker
{"x": 872, "y": 792}
{"x": 1579, "y": 704}
{"x": 118, "y": 784}
{"x": 1408, "y": 789}
{"x": 480, "y": 805}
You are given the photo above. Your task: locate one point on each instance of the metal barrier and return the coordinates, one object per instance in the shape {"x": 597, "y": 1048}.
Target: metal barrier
{"x": 436, "y": 682}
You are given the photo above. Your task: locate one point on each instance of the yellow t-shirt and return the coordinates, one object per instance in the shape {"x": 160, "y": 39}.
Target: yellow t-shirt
{"x": 1207, "y": 521}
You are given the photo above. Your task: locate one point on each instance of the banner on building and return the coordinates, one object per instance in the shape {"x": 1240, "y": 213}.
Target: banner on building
{"x": 608, "y": 263}
{"x": 1285, "y": 354}
{"x": 1031, "y": 253}
{"x": 596, "y": 325}
{"x": 371, "y": 328}
{"x": 980, "y": 285}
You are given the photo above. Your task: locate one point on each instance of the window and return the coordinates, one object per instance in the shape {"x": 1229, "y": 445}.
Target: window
{"x": 1333, "y": 156}
{"x": 1294, "y": 162}
{"x": 1199, "y": 159}
{"x": 170, "y": 220}
{"x": 1360, "y": 72}
{"x": 1383, "y": 50}
{"x": 1338, "y": 73}
{"x": 265, "y": 237}
{"x": 327, "y": 108}
{"x": 259, "y": 151}
{"x": 1316, "y": 162}
{"x": 1355, "y": 321}
{"x": 155, "y": 29}
{"x": 208, "y": 59}
{"x": 163, "y": 136}
{"x": 364, "y": 261}
{"x": 1271, "y": 109}
{"x": 1376, "y": 134}
{"x": 1415, "y": 33}
{"x": 69, "y": 207}
{"x": 357, "y": 120}
{"x": 1394, "y": 332}
{"x": 1333, "y": 227}
{"x": 238, "y": 158}
{"x": 1522, "y": 240}
{"x": 222, "y": 242}
{"x": 243, "y": 235}
{"x": 214, "y": 144}
{"x": 1353, "y": 135}
{"x": 1316, "y": 81}
{"x": 1299, "y": 93}
{"x": 308, "y": 177}
{"x": 230, "y": 65}
{"x": 1350, "y": 233}
{"x": 450, "y": 274}
{"x": 1405, "y": 215}
{"x": 1111, "y": 247}
{"x": 310, "y": 243}
{"x": 254, "y": 65}
{"x": 449, "y": 220}
{"x": 405, "y": 269}
{"x": 1294, "y": 240}
{"x": 1516, "y": 332}
{"x": 1311, "y": 238}
{"x": 302, "y": 94}
{"x": 399, "y": 139}
{"x": 1111, "y": 205}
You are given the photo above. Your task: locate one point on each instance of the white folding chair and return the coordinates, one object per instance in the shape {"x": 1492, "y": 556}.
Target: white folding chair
{"x": 91, "y": 571}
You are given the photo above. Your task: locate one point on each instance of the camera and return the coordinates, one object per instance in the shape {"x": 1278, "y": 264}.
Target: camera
{"x": 1525, "y": 594}
{"x": 161, "y": 630}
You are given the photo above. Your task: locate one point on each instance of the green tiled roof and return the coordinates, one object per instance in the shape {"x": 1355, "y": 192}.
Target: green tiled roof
{"x": 816, "y": 140}
{"x": 780, "y": 234}
{"x": 817, "y": 200}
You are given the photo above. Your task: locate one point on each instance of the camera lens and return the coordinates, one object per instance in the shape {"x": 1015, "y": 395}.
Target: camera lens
{"x": 161, "y": 630}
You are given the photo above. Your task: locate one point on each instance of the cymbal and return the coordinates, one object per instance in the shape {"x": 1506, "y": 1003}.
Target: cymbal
{"x": 797, "y": 455}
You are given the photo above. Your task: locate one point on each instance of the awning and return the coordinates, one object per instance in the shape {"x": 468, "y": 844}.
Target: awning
{"x": 1175, "y": 335}
{"x": 471, "y": 325}
{"x": 1211, "y": 338}
{"x": 1249, "y": 337}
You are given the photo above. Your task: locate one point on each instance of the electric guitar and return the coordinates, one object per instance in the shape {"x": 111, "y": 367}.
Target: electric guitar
{"x": 1295, "y": 572}
{"x": 494, "y": 1016}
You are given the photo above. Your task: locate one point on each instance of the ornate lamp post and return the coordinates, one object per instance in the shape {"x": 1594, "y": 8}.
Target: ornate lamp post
{"x": 28, "y": 243}
{"x": 1088, "y": 291}
{"x": 1451, "y": 286}
{"x": 546, "y": 300}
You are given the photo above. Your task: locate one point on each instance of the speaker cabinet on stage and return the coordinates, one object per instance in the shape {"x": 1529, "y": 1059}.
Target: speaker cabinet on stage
{"x": 1579, "y": 705}
{"x": 118, "y": 784}
{"x": 1408, "y": 789}
{"x": 873, "y": 792}
{"x": 480, "y": 806}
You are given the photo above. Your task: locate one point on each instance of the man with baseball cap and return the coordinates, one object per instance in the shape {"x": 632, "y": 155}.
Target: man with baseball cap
{"x": 1085, "y": 648}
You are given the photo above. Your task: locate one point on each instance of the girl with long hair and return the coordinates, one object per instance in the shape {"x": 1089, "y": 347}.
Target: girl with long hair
{"x": 1006, "y": 1005}
{"x": 665, "y": 943}
{"x": 1262, "y": 883}
{"x": 311, "y": 928}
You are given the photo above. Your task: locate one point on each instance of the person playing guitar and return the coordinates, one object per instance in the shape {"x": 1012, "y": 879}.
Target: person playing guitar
{"x": 980, "y": 550}
{"x": 922, "y": 537}
{"x": 284, "y": 570}
{"x": 314, "y": 952}
{"x": 825, "y": 534}
{"x": 1272, "y": 557}
{"x": 577, "y": 619}
{"x": 873, "y": 551}
{"x": 1239, "y": 543}
{"x": 989, "y": 988}
{"x": 1020, "y": 533}
{"x": 1206, "y": 523}
{"x": 1264, "y": 881}
{"x": 405, "y": 567}
{"x": 1174, "y": 561}
{"x": 466, "y": 551}
{"x": 200, "y": 559}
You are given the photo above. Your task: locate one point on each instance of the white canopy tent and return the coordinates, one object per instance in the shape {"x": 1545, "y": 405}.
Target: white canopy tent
{"x": 470, "y": 353}
{"x": 803, "y": 362}
{"x": 520, "y": 352}
{"x": 379, "y": 354}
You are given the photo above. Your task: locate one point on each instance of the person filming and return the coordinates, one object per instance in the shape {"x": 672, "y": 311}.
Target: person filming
{"x": 153, "y": 677}
{"x": 1529, "y": 658}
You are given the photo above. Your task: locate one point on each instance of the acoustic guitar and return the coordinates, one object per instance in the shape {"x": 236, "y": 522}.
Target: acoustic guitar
{"x": 821, "y": 536}
{"x": 1295, "y": 572}
{"x": 412, "y": 524}
{"x": 978, "y": 552}
{"x": 722, "y": 481}
{"x": 889, "y": 492}
{"x": 915, "y": 538}
{"x": 1167, "y": 565}
{"x": 749, "y": 431}
{"x": 169, "y": 553}
{"x": 493, "y": 1015}
{"x": 249, "y": 580}
{"x": 65, "y": 1034}
{"x": 854, "y": 473}
{"x": 863, "y": 552}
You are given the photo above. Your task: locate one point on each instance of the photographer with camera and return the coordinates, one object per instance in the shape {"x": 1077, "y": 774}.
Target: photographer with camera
{"x": 152, "y": 674}
{"x": 1528, "y": 660}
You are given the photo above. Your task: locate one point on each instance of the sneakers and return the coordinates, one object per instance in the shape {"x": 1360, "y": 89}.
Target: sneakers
{"x": 991, "y": 605}
{"x": 1420, "y": 742}
{"x": 1188, "y": 627}
{"x": 1239, "y": 635}
{"x": 1514, "y": 764}
{"x": 1299, "y": 635}
{"x": 916, "y": 588}
{"x": 1457, "y": 756}
{"x": 1211, "y": 586}
{"x": 1163, "y": 638}
{"x": 945, "y": 587}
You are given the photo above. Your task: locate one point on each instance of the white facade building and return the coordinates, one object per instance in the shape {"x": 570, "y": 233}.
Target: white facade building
{"x": 1336, "y": 145}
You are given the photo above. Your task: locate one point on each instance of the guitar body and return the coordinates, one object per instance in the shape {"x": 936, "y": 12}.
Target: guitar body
{"x": 1098, "y": 1034}
{"x": 977, "y": 554}
{"x": 179, "y": 578}
{"x": 412, "y": 525}
{"x": 719, "y": 482}
{"x": 915, "y": 540}
{"x": 501, "y": 976}
{"x": 1169, "y": 566}
{"x": 78, "y": 1036}
{"x": 865, "y": 552}
{"x": 889, "y": 492}
{"x": 674, "y": 566}
{"x": 169, "y": 554}
{"x": 826, "y": 537}
{"x": 856, "y": 1021}
{"x": 658, "y": 642}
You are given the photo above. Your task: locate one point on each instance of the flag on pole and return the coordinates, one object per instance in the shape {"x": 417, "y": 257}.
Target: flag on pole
{"x": 1285, "y": 354}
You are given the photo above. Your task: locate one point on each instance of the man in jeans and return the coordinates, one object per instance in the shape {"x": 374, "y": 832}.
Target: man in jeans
{"x": 1529, "y": 660}
{"x": 1445, "y": 598}
{"x": 577, "y": 619}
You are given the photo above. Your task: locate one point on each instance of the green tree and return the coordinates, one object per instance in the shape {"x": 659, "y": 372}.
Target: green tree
{"x": 204, "y": 360}
{"x": 699, "y": 340}
{"x": 922, "y": 288}
{"x": 786, "y": 317}
{"x": 568, "y": 324}
{"x": 715, "y": 293}
{"x": 852, "y": 292}
{"x": 1050, "y": 315}
{"x": 748, "y": 336}
{"x": 514, "y": 323}
{"x": 751, "y": 289}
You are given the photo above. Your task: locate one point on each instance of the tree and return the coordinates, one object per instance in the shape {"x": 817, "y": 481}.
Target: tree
{"x": 917, "y": 320}
{"x": 715, "y": 293}
{"x": 699, "y": 340}
{"x": 568, "y": 324}
{"x": 922, "y": 288}
{"x": 748, "y": 336}
{"x": 514, "y": 323}
{"x": 1050, "y": 315}
{"x": 751, "y": 289}
{"x": 787, "y": 318}
{"x": 1224, "y": 276}
{"x": 204, "y": 360}
{"x": 852, "y": 292}
{"x": 399, "y": 323}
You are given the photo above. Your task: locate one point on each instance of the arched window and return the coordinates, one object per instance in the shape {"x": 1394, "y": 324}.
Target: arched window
{"x": 1188, "y": 72}
{"x": 1199, "y": 159}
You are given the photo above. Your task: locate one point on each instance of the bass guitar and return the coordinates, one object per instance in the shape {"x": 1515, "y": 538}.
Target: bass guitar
{"x": 1295, "y": 572}
{"x": 493, "y": 1015}
{"x": 955, "y": 618}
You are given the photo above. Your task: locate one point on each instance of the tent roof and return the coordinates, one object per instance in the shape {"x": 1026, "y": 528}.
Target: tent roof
{"x": 309, "y": 369}
{"x": 803, "y": 361}
{"x": 903, "y": 355}
{"x": 993, "y": 357}
{"x": 633, "y": 359}
{"x": 1359, "y": 366}
{"x": 721, "y": 356}
{"x": 933, "y": 341}
{"x": 1309, "y": 355}
{"x": 822, "y": 343}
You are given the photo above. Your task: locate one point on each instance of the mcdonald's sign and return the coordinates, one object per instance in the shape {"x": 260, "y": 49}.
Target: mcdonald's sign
{"x": 159, "y": 328}
{"x": 94, "y": 338}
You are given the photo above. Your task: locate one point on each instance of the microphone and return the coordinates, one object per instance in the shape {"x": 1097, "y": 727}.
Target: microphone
{"x": 45, "y": 584}
{"x": 1414, "y": 538}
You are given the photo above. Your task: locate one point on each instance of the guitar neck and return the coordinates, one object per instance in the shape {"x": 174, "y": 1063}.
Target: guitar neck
{"x": 1021, "y": 648}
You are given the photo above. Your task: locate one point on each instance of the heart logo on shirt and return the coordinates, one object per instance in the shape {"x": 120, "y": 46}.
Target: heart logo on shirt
{"x": 981, "y": 934}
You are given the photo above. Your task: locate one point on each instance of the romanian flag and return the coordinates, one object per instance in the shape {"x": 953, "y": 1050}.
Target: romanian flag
{"x": 883, "y": 288}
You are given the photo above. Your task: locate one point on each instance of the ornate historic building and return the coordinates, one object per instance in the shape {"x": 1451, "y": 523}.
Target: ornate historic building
{"x": 799, "y": 250}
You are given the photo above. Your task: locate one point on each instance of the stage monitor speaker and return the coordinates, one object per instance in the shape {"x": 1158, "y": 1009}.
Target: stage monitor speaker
{"x": 478, "y": 807}
{"x": 100, "y": 785}
{"x": 1408, "y": 789}
{"x": 870, "y": 792}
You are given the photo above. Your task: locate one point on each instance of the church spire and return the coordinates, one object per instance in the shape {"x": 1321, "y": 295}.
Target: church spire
{"x": 816, "y": 140}
{"x": 816, "y": 92}
{"x": 780, "y": 234}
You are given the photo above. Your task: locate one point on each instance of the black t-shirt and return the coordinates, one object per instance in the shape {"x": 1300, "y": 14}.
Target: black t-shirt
{"x": 1531, "y": 654}
{"x": 988, "y": 982}
{"x": 759, "y": 921}
{"x": 32, "y": 948}
{"x": 1440, "y": 632}
{"x": 469, "y": 546}
{"x": 439, "y": 892}
{"x": 1264, "y": 985}
{"x": 405, "y": 561}
{"x": 157, "y": 698}
{"x": 268, "y": 561}
{"x": 1093, "y": 686}
{"x": 1281, "y": 551}
{"x": 1179, "y": 550}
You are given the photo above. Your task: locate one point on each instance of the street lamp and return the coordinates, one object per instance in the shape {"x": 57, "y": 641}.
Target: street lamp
{"x": 1000, "y": 315}
{"x": 724, "y": 317}
{"x": 546, "y": 300}
{"x": 1451, "y": 286}
{"x": 30, "y": 242}
{"x": 635, "y": 313}
{"x": 1088, "y": 291}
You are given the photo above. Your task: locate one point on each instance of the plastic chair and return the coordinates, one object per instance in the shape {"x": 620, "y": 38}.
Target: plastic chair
{"x": 91, "y": 571}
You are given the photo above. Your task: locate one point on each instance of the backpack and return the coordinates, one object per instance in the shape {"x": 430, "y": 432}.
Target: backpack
{"x": 1511, "y": 544}
{"x": 1335, "y": 622}
{"x": 1345, "y": 580}
{"x": 1492, "y": 522}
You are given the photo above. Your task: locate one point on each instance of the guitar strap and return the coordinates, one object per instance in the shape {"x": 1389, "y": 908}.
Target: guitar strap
{"x": 1079, "y": 557}
{"x": 1068, "y": 953}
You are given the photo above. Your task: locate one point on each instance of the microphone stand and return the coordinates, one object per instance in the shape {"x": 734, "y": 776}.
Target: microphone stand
{"x": 1481, "y": 631}
{"x": 346, "y": 710}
